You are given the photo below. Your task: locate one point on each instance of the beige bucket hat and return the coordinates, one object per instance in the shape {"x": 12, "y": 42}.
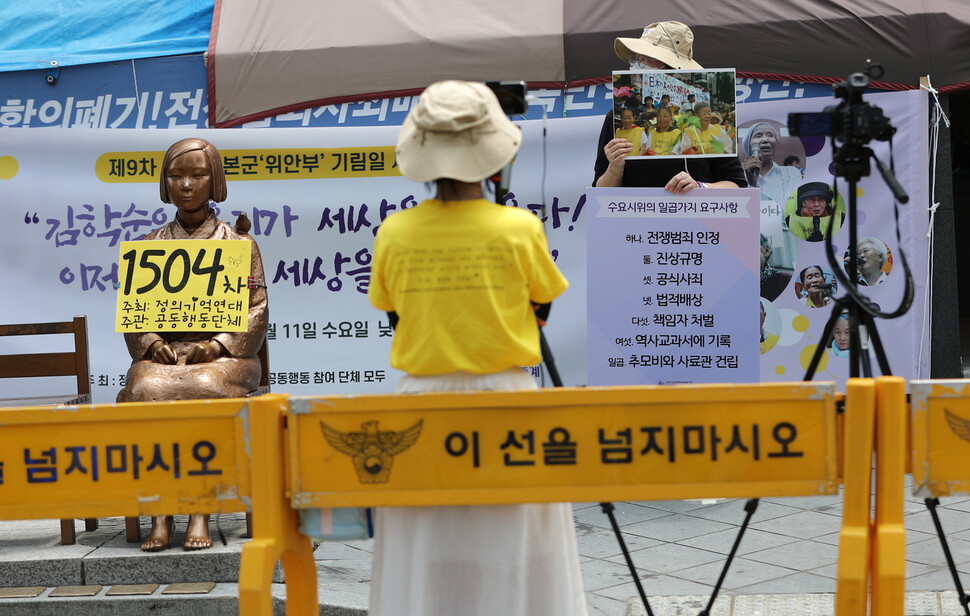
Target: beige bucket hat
{"x": 671, "y": 42}
{"x": 457, "y": 130}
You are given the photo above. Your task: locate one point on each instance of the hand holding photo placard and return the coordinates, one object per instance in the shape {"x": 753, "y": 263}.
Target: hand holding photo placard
{"x": 675, "y": 113}
{"x": 184, "y": 285}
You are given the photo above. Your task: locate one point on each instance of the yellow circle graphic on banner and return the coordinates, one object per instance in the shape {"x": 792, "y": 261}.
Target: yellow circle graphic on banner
{"x": 779, "y": 370}
{"x": 8, "y": 167}
{"x": 806, "y": 358}
{"x": 800, "y": 323}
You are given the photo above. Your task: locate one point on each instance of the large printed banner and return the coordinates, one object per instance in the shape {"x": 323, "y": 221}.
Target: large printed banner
{"x": 798, "y": 282}
{"x": 63, "y": 224}
{"x": 67, "y": 209}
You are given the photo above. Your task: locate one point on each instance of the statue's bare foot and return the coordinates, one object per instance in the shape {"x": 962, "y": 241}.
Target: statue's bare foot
{"x": 160, "y": 537}
{"x": 197, "y": 534}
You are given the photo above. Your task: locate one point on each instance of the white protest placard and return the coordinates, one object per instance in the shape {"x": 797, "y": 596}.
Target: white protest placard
{"x": 679, "y": 301}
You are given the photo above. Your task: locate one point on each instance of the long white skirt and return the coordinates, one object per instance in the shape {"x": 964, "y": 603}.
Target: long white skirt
{"x": 489, "y": 560}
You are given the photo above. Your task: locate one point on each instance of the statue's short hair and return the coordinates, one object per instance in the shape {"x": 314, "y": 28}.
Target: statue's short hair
{"x": 217, "y": 174}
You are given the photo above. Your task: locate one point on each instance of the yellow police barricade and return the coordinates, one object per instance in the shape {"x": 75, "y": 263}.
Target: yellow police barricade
{"x": 940, "y": 417}
{"x": 855, "y": 538}
{"x": 940, "y": 448}
{"x": 555, "y": 445}
{"x": 275, "y": 522}
{"x": 889, "y": 537}
{"x": 154, "y": 459}
{"x": 124, "y": 459}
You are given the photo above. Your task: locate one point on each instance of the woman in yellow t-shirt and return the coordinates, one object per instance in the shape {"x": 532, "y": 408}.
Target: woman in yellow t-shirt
{"x": 628, "y": 130}
{"x": 709, "y": 138}
{"x": 461, "y": 276}
{"x": 664, "y": 138}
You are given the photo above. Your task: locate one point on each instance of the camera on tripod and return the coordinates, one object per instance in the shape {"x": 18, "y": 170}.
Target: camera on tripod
{"x": 511, "y": 96}
{"x": 852, "y": 121}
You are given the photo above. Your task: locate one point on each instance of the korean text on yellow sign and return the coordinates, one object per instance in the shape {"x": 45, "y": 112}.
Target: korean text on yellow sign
{"x": 570, "y": 444}
{"x": 184, "y": 286}
{"x": 262, "y": 164}
{"x": 128, "y": 459}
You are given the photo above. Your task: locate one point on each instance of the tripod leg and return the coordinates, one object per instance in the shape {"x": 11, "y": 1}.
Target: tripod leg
{"x": 931, "y": 504}
{"x": 750, "y": 508}
{"x": 548, "y": 360}
{"x": 608, "y": 510}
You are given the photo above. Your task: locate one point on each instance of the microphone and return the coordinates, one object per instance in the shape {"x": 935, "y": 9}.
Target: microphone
{"x": 860, "y": 260}
{"x": 828, "y": 293}
{"x": 755, "y": 151}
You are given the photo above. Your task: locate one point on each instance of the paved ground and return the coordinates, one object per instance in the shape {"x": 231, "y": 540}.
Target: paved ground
{"x": 786, "y": 563}
{"x": 788, "y": 557}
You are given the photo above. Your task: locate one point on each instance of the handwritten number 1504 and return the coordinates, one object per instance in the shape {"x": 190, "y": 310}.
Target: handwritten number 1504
{"x": 164, "y": 274}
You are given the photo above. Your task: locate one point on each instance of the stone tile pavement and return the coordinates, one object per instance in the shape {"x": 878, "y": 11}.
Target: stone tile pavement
{"x": 786, "y": 563}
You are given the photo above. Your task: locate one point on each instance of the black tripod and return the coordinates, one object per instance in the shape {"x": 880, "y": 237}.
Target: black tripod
{"x": 852, "y": 162}
{"x": 861, "y": 313}
{"x": 855, "y": 123}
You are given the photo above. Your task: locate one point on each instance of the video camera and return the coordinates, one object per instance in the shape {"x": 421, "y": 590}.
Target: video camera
{"x": 852, "y": 121}
{"x": 511, "y": 96}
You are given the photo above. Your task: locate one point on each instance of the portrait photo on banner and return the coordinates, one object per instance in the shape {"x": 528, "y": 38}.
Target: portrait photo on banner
{"x": 676, "y": 113}
{"x": 773, "y": 161}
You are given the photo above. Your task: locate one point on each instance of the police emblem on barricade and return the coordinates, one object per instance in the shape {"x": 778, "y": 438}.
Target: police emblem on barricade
{"x": 372, "y": 450}
{"x": 958, "y": 425}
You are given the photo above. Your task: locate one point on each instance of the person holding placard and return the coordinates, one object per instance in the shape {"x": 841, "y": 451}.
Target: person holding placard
{"x": 461, "y": 276}
{"x": 663, "y": 45}
{"x": 178, "y": 365}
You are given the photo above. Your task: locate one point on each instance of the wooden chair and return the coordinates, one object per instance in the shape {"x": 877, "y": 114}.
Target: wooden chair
{"x": 71, "y": 363}
{"x": 133, "y": 526}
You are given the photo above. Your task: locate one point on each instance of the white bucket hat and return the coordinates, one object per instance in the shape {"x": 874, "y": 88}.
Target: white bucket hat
{"x": 671, "y": 42}
{"x": 458, "y": 131}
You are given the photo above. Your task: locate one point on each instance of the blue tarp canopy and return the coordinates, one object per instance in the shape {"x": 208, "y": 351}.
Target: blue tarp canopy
{"x": 69, "y": 32}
